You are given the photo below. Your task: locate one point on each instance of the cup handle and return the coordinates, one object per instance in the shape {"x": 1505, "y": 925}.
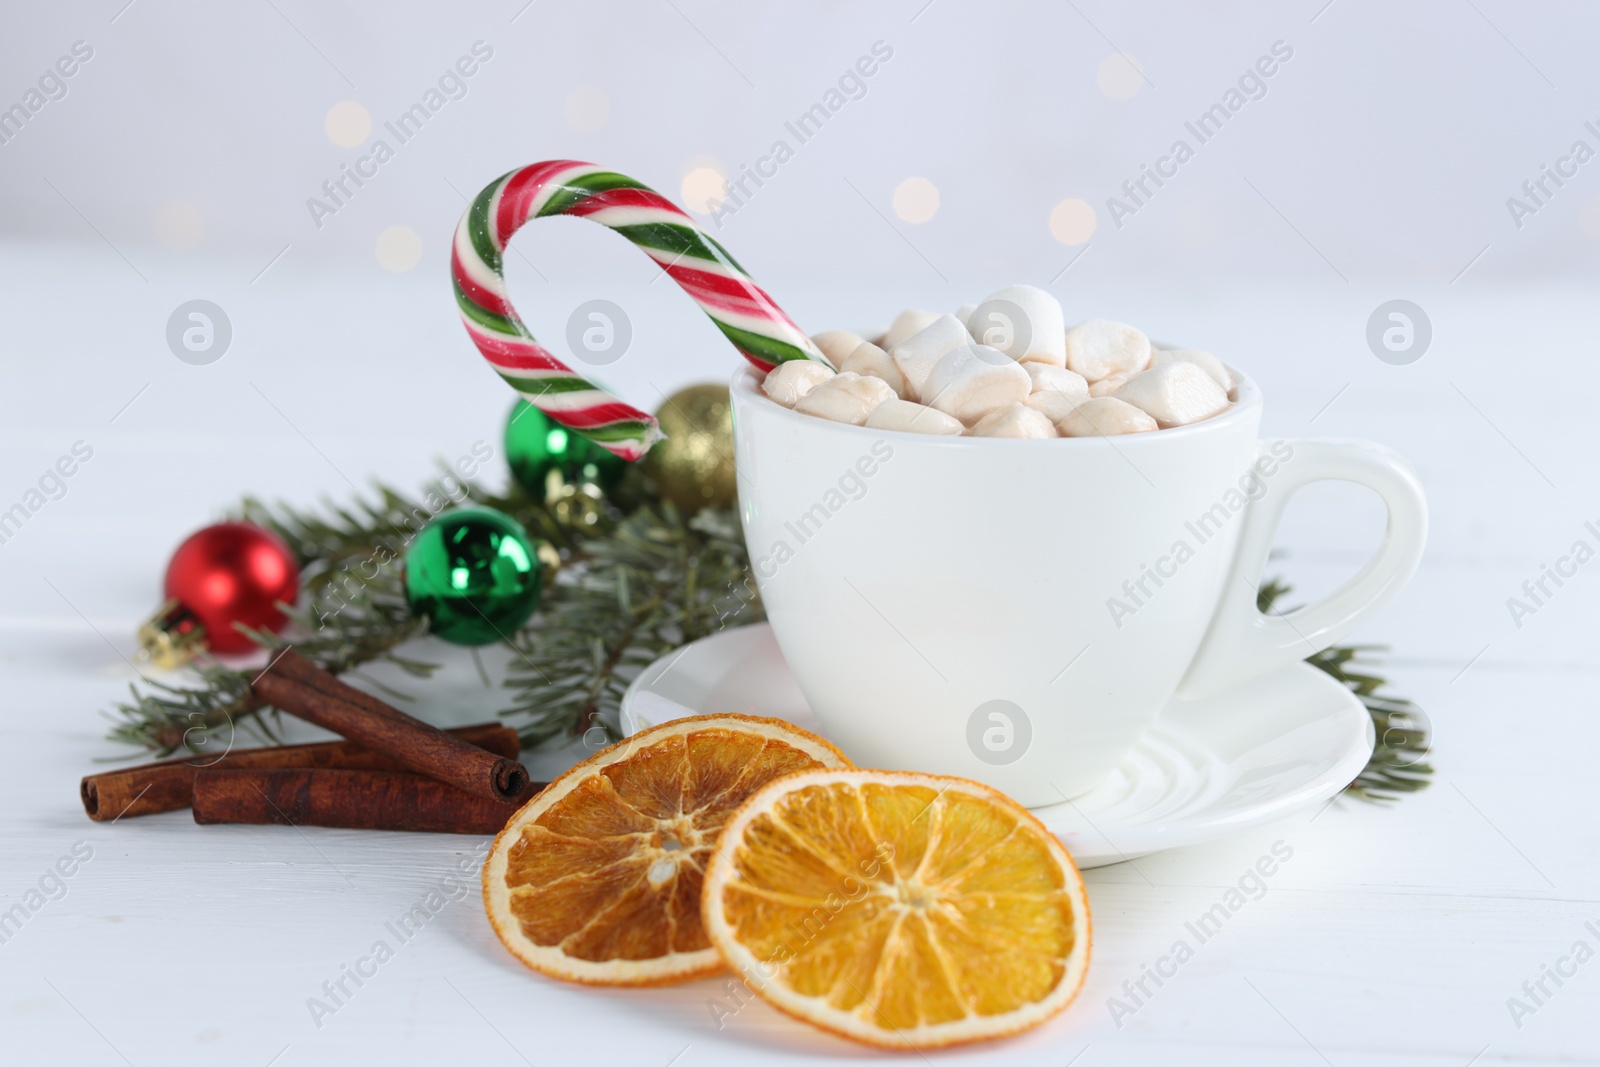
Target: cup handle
{"x": 1242, "y": 642}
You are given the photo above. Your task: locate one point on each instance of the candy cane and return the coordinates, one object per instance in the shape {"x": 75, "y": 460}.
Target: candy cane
{"x": 747, "y": 316}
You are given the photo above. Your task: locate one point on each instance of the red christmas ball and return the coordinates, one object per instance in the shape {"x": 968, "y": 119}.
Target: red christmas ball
{"x": 233, "y": 572}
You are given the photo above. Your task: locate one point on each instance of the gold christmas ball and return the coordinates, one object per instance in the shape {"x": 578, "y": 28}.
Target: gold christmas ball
{"x": 582, "y": 505}
{"x": 693, "y": 467}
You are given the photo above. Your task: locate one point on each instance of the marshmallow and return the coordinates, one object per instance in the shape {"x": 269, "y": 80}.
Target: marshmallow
{"x": 1022, "y": 321}
{"x": 1056, "y": 379}
{"x": 837, "y": 344}
{"x": 1204, "y": 360}
{"x": 1014, "y": 420}
{"x": 917, "y": 354}
{"x": 1053, "y": 404}
{"x": 1108, "y": 386}
{"x": 972, "y": 381}
{"x": 792, "y": 379}
{"x": 1101, "y": 348}
{"x": 912, "y": 418}
{"x": 1175, "y": 394}
{"x": 1104, "y": 416}
{"x": 908, "y": 322}
{"x": 845, "y": 398}
{"x": 868, "y": 359}
{"x": 964, "y": 312}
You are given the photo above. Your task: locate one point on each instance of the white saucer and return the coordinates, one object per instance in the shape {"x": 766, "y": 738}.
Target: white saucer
{"x": 1204, "y": 769}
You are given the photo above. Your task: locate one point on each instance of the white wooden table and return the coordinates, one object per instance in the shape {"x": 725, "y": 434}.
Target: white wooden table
{"x": 1394, "y": 935}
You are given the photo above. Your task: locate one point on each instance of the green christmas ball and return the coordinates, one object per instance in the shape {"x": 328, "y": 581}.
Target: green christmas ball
{"x": 474, "y": 575}
{"x": 536, "y": 445}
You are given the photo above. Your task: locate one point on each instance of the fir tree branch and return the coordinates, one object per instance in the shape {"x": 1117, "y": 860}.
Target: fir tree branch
{"x": 352, "y": 612}
{"x": 1398, "y": 764}
{"x": 342, "y": 626}
{"x": 631, "y": 589}
{"x": 657, "y": 583}
{"x": 627, "y": 593}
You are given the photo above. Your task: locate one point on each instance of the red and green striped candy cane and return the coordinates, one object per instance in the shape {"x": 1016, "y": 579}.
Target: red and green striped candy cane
{"x": 744, "y": 313}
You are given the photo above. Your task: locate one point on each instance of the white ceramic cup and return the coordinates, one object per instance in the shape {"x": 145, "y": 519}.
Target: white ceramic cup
{"x": 1018, "y": 611}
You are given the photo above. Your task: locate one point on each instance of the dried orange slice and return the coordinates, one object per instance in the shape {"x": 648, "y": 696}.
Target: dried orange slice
{"x": 902, "y": 910}
{"x": 597, "y": 879}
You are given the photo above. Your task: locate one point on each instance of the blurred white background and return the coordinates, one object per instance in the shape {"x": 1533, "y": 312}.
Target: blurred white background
{"x": 1383, "y": 150}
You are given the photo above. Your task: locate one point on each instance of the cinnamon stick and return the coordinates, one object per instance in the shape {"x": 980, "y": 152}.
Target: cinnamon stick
{"x": 292, "y": 664}
{"x": 167, "y": 785}
{"x": 352, "y": 800}
{"x": 410, "y": 742}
